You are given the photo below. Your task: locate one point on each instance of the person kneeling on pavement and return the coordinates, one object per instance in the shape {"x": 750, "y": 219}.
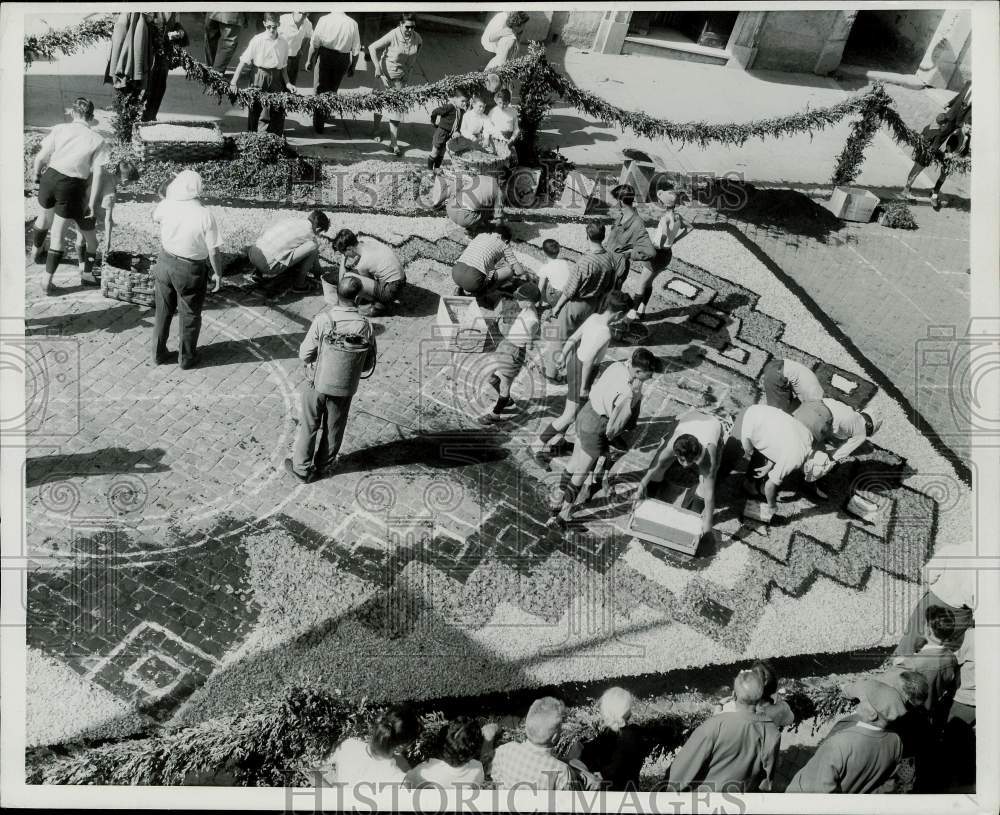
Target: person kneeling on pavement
{"x": 338, "y": 351}
{"x": 376, "y": 266}
{"x": 487, "y": 263}
{"x": 289, "y": 251}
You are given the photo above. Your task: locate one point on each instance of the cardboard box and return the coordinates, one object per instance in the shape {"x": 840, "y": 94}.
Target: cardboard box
{"x": 666, "y": 525}
{"x": 853, "y": 204}
{"x": 463, "y": 324}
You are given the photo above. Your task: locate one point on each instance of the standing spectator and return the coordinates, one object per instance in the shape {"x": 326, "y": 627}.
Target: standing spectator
{"x": 447, "y": 121}
{"x": 325, "y": 408}
{"x": 949, "y": 138}
{"x": 501, "y": 37}
{"x": 505, "y": 126}
{"x": 937, "y": 662}
{"x": 70, "y": 153}
{"x": 377, "y": 268}
{"x": 591, "y": 279}
{"x": 960, "y": 727}
{"x": 530, "y": 764}
{"x": 513, "y": 349}
{"x": 166, "y": 32}
{"x": 289, "y": 250}
{"x": 778, "y": 445}
{"x": 487, "y": 263}
{"x": 862, "y": 757}
{"x": 731, "y": 751}
{"x": 189, "y": 245}
{"x": 947, "y": 587}
{"x": 612, "y": 411}
{"x": 787, "y": 383}
{"x": 475, "y": 202}
{"x": 222, "y": 35}
{"x": 267, "y": 53}
{"x": 696, "y": 443}
{"x": 628, "y": 242}
{"x": 460, "y": 764}
{"x": 379, "y": 760}
{"x": 582, "y": 353}
{"x": 670, "y": 229}
{"x": 393, "y": 57}
{"x": 619, "y": 750}
{"x": 294, "y": 28}
{"x": 112, "y": 176}
{"x": 334, "y": 49}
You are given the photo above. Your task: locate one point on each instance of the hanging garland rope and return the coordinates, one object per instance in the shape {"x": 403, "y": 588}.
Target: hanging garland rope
{"x": 67, "y": 40}
{"x": 540, "y": 80}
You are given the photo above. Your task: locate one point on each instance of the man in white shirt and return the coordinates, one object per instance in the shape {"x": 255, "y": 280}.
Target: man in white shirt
{"x": 787, "y": 383}
{"x": 376, "y": 266}
{"x": 850, "y": 427}
{"x": 268, "y": 54}
{"x": 289, "y": 250}
{"x": 778, "y": 445}
{"x": 71, "y": 153}
{"x": 190, "y": 243}
{"x": 334, "y": 49}
{"x": 295, "y": 29}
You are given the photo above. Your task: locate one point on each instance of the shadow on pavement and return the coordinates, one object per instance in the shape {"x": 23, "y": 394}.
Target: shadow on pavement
{"x": 44, "y": 469}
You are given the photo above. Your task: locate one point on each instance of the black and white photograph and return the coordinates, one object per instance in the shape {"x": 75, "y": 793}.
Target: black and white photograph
{"x": 541, "y": 408}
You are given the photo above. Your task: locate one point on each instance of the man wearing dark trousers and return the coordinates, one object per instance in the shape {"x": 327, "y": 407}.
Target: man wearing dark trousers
{"x": 222, "y": 35}
{"x": 334, "y": 49}
{"x": 190, "y": 244}
{"x": 324, "y": 416}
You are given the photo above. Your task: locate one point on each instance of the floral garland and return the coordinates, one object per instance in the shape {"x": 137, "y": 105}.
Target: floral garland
{"x": 67, "y": 40}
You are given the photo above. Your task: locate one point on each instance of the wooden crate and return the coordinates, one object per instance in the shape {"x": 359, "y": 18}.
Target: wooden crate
{"x": 666, "y": 525}
{"x": 462, "y": 324}
{"x": 183, "y": 151}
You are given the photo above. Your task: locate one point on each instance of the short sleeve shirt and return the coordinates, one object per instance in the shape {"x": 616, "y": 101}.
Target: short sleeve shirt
{"x": 847, "y": 422}
{"x": 263, "y": 52}
{"x": 337, "y": 32}
{"x": 476, "y": 192}
{"x": 556, "y": 272}
{"x": 399, "y": 52}
{"x": 77, "y": 150}
{"x": 779, "y": 437}
{"x": 379, "y": 261}
{"x": 187, "y": 229}
{"x": 293, "y": 34}
{"x": 612, "y": 386}
{"x": 805, "y": 384}
{"x": 503, "y": 121}
{"x": 281, "y": 240}
{"x": 354, "y": 764}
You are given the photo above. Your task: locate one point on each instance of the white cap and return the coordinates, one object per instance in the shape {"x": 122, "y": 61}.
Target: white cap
{"x": 185, "y": 187}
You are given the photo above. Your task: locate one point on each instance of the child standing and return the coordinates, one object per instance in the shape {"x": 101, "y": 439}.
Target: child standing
{"x": 582, "y": 353}
{"x": 513, "y": 350}
{"x": 671, "y": 228}
{"x": 447, "y": 119}
{"x": 937, "y": 662}
{"x": 113, "y": 175}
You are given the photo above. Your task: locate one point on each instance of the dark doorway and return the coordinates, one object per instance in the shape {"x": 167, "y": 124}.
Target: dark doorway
{"x": 708, "y": 28}
{"x": 891, "y": 39}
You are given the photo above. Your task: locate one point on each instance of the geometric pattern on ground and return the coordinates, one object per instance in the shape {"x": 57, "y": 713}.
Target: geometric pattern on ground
{"x": 178, "y": 570}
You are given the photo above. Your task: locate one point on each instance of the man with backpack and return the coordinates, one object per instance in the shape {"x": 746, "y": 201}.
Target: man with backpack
{"x": 338, "y": 350}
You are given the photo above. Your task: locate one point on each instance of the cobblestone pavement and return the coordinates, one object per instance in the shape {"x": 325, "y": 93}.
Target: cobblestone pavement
{"x": 148, "y": 491}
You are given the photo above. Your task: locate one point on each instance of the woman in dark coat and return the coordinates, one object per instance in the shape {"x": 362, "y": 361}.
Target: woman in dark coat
{"x": 618, "y": 752}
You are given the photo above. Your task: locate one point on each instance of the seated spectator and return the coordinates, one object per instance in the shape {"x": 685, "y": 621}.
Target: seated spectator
{"x": 937, "y": 662}
{"x": 376, "y": 265}
{"x": 787, "y": 383}
{"x": 530, "y": 764}
{"x": 617, "y": 753}
{"x": 862, "y": 757}
{"x": 460, "y": 758}
{"x": 289, "y": 250}
{"x": 474, "y": 202}
{"x": 476, "y": 125}
{"x": 778, "y": 711}
{"x": 487, "y": 263}
{"x": 380, "y": 759}
{"x": 732, "y": 751}
{"x": 505, "y": 127}
{"x": 778, "y": 446}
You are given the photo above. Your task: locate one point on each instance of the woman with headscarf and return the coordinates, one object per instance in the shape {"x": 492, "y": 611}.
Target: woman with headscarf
{"x": 190, "y": 243}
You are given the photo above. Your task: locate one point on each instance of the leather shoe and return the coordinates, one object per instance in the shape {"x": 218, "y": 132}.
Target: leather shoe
{"x": 305, "y": 479}
{"x": 168, "y": 358}
{"x": 191, "y": 363}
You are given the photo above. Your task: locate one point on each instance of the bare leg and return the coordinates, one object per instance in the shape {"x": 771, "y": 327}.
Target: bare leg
{"x": 579, "y": 467}
{"x": 55, "y": 251}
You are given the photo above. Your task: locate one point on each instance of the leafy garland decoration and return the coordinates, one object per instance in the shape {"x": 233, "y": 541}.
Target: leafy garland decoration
{"x": 67, "y": 40}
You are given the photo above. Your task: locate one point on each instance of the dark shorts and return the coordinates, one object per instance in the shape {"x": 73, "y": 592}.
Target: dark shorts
{"x": 63, "y": 193}
{"x": 661, "y": 260}
{"x": 777, "y": 390}
{"x": 510, "y": 360}
{"x": 591, "y": 431}
{"x": 469, "y": 279}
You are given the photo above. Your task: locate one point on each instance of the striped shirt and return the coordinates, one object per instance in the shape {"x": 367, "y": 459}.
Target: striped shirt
{"x": 485, "y": 251}
{"x": 592, "y": 276}
{"x": 74, "y": 149}
{"x": 279, "y": 241}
